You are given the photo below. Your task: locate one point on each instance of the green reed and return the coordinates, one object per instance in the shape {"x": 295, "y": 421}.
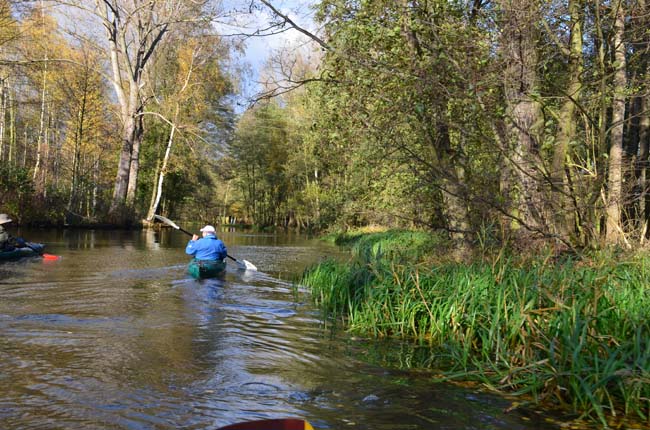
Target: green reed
{"x": 574, "y": 332}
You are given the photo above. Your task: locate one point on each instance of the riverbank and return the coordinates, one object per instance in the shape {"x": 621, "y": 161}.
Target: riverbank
{"x": 572, "y": 331}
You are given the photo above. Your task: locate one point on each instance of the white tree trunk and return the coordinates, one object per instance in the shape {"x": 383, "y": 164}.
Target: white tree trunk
{"x": 161, "y": 176}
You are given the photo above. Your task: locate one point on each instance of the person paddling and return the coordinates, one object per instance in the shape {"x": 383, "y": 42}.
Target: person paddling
{"x": 7, "y": 241}
{"x": 209, "y": 247}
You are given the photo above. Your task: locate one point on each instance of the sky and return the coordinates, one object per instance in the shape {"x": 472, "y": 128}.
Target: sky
{"x": 258, "y": 49}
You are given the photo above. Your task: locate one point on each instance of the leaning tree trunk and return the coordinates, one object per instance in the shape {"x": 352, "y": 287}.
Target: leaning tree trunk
{"x": 161, "y": 176}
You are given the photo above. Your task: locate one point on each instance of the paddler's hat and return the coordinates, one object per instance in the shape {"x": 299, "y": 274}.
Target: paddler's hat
{"x": 4, "y": 218}
{"x": 208, "y": 229}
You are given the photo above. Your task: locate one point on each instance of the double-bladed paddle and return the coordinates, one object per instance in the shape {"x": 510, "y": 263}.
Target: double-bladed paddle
{"x": 243, "y": 264}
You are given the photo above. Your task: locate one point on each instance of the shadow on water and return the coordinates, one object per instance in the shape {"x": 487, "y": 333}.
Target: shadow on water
{"x": 116, "y": 335}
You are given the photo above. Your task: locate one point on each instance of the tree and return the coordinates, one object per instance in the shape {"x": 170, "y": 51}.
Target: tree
{"x": 135, "y": 30}
{"x": 260, "y": 150}
{"x": 401, "y": 101}
{"x": 561, "y": 170}
{"x": 87, "y": 141}
{"x": 523, "y": 112}
{"x": 192, "y": 94}
{"x": 614, "y": 234}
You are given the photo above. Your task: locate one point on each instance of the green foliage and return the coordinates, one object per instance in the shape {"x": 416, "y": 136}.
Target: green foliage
{"x": 278, "y": 170}
{"x": 416, "y": 122}
{"x": 388, "y": 136}
{"x": 192, "y": 89}
{"x": 260, "y": 151}
{"x": 19, "y": 199}
{"x": 16, "y": 189}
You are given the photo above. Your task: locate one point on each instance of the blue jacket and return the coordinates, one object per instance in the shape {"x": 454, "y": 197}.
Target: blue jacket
{"x": 207, "y": 248}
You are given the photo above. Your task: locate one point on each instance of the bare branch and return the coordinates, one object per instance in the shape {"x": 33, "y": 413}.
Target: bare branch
{"x": 289, "y": 21}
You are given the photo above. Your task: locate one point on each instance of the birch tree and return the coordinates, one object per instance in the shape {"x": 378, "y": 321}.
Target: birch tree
{"x": 185, "y": 72}
{"x": 188, "y": 96}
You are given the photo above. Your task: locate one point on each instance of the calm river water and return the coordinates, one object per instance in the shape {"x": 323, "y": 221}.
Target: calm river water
{"x": 115, "y": 335}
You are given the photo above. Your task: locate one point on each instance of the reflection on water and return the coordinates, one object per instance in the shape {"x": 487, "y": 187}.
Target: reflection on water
{"x": 116, "y": 335}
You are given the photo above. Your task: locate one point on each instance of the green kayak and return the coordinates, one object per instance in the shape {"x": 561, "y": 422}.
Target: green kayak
{"x": 200, "y": 269}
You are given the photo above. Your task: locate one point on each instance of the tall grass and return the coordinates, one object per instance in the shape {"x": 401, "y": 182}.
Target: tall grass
{"x": 574, "y": 332}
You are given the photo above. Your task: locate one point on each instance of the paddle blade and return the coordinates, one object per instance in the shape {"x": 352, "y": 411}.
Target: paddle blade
{"x": 243, "y": 264}
{"x": 167, "y": 221}
{"x": 277, "y": 424}
{"x": 248, "y": 265}
{"x": 50, "y": 257}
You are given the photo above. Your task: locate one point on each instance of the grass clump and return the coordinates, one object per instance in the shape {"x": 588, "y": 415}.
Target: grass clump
{"x": 394, "y": 245}
{"x": 574, "y": 332}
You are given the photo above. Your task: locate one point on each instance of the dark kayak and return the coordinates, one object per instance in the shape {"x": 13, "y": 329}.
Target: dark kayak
{"x": 201, "y": 269}
{"x": 30, "y": 250}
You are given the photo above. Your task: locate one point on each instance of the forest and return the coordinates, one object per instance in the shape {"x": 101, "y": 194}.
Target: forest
{"x": 111, "y": 112}
{"x": 500, "y": 148}
{"x": 493, "y": 121}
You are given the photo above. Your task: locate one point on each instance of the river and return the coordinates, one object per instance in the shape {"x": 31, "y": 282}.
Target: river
{"x": 116, "y": 335}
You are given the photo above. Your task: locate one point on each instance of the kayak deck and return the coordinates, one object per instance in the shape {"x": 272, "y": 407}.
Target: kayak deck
{"x": 26, "y": 251}
{"x": 201, "y": 269}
